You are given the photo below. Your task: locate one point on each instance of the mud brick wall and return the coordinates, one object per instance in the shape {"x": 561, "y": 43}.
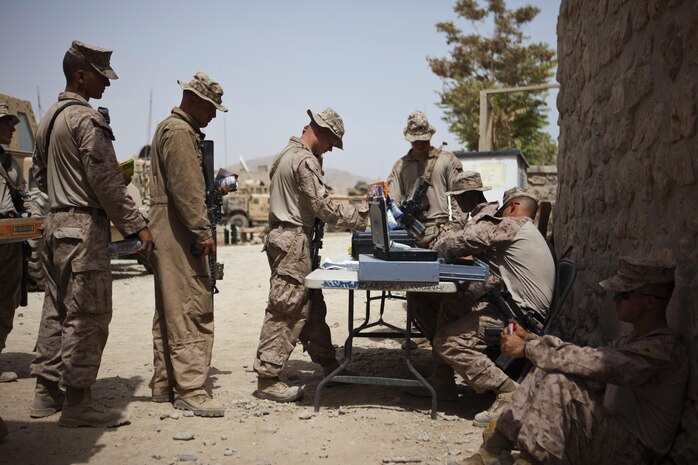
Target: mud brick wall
{"x": 542, "y": 180}
{"x": 628, "y": 161}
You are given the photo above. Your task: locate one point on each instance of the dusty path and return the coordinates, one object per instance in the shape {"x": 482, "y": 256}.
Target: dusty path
{"x": 357, "y": 424}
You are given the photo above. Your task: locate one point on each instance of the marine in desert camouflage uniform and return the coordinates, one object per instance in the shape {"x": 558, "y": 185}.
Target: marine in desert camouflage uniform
{"x": 14, "y": 200}
{"x": 443, "y": 170}
{"x": 521, "y": 262}
{"x": 76, "y": 166}
{"x": 183, "y": 320}
{"x": 556, "y": 416}
{"x": 297, "y": 197}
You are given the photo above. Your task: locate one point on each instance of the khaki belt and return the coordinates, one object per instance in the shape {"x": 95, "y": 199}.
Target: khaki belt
{"x": 87, "y": 210}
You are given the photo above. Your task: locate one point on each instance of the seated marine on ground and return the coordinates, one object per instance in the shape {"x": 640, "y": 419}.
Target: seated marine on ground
{"x": 556, "y": 416}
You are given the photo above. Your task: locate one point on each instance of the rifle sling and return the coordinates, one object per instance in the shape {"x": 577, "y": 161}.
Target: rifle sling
{"x": 53, "y": 120}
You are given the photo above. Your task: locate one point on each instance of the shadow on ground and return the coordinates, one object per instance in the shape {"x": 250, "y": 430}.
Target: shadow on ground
{"x": 382, "y": 362}
{"x": 42, "y": 441}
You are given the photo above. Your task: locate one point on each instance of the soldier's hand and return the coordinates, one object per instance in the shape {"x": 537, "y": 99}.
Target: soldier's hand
{"x": 512, "y": 345}
{"x": 207, "y": 247}
{"x": 146, "y": 239}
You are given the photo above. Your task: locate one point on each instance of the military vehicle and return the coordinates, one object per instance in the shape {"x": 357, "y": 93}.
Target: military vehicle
{"x": 249, "y": 206}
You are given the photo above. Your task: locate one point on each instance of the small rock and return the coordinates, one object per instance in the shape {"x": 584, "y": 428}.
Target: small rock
{"x": 187, "y": 458}
{"x": 424, "y": 437}
{"x": 228, "y": 452}
{"x": 183, "y": 436}
{"x": 156, "y": 456}
{"x": 270, "y": 429}
{"x": 174, "y": 416}
{"x": 164, "y": 415}
{"x": 188, "y": 413}
{"x": 224, "y": 438}
{"x": 305, "y": 416}
{"x": 209, "y": 442}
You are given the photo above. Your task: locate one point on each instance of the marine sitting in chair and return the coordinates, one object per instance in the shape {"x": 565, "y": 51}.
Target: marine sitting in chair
{"x": 521, "y": 260}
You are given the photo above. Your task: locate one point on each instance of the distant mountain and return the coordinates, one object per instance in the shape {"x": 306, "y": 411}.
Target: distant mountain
{"x": 339, "y": 180}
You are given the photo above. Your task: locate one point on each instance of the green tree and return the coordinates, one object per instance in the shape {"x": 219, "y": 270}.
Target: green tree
{"x": 502, "y": 59}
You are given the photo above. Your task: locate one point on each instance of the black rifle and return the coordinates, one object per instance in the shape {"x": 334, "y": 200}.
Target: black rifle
{"x": 213, "y": 208}
{"x": 413, "y": 208}
{"x": 528, "y": 319}
{"x": 316, "y": 243}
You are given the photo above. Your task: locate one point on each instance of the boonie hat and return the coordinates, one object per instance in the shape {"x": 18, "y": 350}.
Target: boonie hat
{"x": 97, "y": 57}
{"x": 468, "y": 181}
{"x": 418, "y": 127}
{"x": 206, "y": 88}
{"x": 5, "y": 113}
{"x": 515, "y": 192}
{"x": 329, "y": 119}
{"x": 634, "y": 272}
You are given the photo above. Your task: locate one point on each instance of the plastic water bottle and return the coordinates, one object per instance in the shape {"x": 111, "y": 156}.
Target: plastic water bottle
{"x": 123, "y": 247}
{"x": 395, "y": 210}
{"x": 390, "y": 219}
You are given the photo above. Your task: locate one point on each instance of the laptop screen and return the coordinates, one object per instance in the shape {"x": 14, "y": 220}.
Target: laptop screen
{"x": 379, "y": 224}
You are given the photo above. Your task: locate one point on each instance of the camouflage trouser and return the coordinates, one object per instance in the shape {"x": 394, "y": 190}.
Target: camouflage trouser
{"x": 11, "y": 279}
{"x": 78, "y": 301}
{"x": 288, "y": 319}
{"x": 425, "y": 311}
{"x": 182, "y": 323}
{"x": 461, "y": 343}
{"x": 557, "y": 420}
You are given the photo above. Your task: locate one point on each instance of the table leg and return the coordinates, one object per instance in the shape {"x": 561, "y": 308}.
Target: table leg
{"x": 348, "y": 345}
{"x": 408, "y": 360}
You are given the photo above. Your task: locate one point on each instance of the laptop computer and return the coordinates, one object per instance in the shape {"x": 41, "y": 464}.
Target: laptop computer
{"x": 383, "y": 247}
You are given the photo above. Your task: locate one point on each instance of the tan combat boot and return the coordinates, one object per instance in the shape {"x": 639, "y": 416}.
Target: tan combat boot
{"x": 443, "y": 382}
{"x": 276, "y": 390}
{"x": 7, "y": 376}
{"x": 495, "y": 449}
{"x": 48, "y": 399}
{"x": 504, "y": 393}
{"x": 201, "y": 405}
{"x": 81, "y": 410}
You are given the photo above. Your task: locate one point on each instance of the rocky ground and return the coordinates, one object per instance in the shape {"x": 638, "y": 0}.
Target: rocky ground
{"x": 357, "y": 424}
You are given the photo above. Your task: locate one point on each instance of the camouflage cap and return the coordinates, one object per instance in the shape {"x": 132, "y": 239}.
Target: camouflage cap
{"x": 329, "y": 119}
{"x": 206, "y": 88}
{"x": 634, "y": 272}
{"x": 468, "y": 181}
{"x": 97, "y": 57}
{"x": 515, "y": 192}
{"x": 5, "y": 113}
{"x": 418, "y": 127}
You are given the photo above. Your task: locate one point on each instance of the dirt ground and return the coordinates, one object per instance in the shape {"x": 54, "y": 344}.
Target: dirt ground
{"x": 357, "y": 424}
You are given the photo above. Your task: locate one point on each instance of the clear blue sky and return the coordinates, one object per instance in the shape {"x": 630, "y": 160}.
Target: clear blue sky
{"x": 274, "y": 59}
